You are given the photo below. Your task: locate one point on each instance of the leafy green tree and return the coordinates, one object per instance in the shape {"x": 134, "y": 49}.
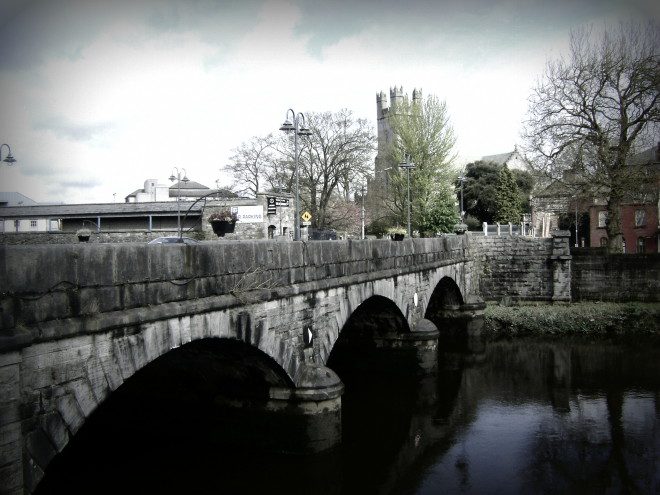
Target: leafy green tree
{"x": 442, "y": 215}
{"x": 508, "y": 198}
{"x": 480, "y": 190}
{"x": 425, "y": 137}
{"x": 592, "y": 110}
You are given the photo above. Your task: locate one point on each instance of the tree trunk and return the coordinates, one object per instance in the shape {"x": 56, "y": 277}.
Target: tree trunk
{"x": 614, "y": 234}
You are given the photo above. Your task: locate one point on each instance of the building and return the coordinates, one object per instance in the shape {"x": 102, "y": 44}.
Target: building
{"x": 267, "y": 216}
{"x": 13, "y": 198}
{"x": 153, "y": 192}
{"x": 514, "y": 160}
{"x": 640, "y": 214}
{"x": 384, "y": 110}
{"x": 557, "y": 206}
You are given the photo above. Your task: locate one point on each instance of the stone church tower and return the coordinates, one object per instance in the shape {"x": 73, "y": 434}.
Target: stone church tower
{"x": 384, "y": 110}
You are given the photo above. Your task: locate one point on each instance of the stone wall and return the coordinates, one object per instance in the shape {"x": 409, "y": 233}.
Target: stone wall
{"x": 14, "y": 238}
{"x": 598, "y": 276}
{"x": 523, "y": 268}
{"x": 52, "y": 283}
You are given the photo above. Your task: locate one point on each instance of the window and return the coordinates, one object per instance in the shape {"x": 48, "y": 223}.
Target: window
{"x": 641, "y": 244}
{"x": 33, "y": 224}
{"x": 603, "y": 242}
{"x": 602, "y": 219}
{"x": 640, "y": 218}
{"x": 17, "y": 225}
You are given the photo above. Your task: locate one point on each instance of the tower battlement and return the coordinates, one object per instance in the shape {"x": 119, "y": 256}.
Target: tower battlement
{"x": 382, "y": 105}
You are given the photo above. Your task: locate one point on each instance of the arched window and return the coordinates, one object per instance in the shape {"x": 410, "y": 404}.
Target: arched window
{"x": 271, "y": 231}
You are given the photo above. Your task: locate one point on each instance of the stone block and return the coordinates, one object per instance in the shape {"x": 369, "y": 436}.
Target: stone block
{"x": 68, "y": 408}
{"x": 11, "y": 478}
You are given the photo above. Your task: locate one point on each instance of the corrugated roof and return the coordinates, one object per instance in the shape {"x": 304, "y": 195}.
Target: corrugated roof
{"x": 99, "y": 209}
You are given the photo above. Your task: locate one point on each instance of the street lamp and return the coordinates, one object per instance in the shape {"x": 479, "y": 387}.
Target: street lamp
{"x": 462, "y": 178}
{"x": 408, "y": 165}
{"x": 362, "y": 212}
{"x": 299, "y": 129}
{"x": 9, "y": 160}
{"x": 178, "y": 194}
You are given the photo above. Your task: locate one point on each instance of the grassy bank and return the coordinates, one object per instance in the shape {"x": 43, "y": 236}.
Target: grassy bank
{"x": 591, "y": 319}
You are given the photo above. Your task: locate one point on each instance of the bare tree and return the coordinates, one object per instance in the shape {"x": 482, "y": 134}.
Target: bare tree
{"x": 334, "y": 161}
{"x": 592, "y": 111}
{"x": 252, "y": 164}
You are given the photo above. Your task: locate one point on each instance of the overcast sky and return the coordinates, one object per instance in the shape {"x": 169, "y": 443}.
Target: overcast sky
{"x": 98, "y": 96}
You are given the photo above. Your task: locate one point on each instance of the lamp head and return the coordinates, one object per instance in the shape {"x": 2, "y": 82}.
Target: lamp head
{"x": 9, "y": 160}
{"x": 304, "y": 131}
{"x": 185, "y": 179}
{"x": 172, "y": 178}
{"x": 287, "y": 126}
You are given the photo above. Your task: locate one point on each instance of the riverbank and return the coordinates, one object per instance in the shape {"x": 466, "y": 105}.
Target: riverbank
{"x": 588, "y": 319}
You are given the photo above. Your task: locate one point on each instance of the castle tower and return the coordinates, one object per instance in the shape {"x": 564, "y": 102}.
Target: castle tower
{"x": 417, "y": 96}
{"x": 396, "y": 96}
{"x": 385, "y": 133}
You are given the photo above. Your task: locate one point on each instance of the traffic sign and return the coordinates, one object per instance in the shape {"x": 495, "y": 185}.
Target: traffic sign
{"x": 306, "y": 216}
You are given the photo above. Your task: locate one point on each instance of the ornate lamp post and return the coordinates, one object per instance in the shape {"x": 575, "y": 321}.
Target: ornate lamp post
{"x": 408, "y": 165}
{"x": 178, "y": 194}
{"x": 299, "y": 129}
{"x": 9, "y": 160}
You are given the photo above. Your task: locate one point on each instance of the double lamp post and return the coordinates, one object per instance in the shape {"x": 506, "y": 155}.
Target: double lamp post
{"x": 298, "y": 128}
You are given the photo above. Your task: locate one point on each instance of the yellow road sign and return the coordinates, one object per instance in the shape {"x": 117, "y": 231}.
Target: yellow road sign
{"x": 306, "y": 216}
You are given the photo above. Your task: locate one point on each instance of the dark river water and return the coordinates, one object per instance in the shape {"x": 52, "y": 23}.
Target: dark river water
{"x": 523, "y": 417}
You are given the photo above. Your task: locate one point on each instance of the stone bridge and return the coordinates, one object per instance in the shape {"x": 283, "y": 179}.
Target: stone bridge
{"x": 274, "y": 318}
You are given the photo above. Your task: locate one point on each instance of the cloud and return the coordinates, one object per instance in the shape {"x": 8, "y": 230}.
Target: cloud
{"x": 72, "y": 131}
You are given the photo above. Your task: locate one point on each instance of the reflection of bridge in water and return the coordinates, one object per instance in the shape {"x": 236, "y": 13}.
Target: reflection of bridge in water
{"x": 255, "y": 323}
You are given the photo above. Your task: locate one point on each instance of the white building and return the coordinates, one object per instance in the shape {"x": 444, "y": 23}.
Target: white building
{"x": 152, "y": 192}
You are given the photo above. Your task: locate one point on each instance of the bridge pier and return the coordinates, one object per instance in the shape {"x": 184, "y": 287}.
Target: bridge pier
{"x": 461, "y": 327}
{"x": 309, "y": 415}
{"x": 420, "y": 346}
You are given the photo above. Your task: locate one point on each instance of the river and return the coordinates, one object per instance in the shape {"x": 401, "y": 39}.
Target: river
{"x": 519, "y": 417}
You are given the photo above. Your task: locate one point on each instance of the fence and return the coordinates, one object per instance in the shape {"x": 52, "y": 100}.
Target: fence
{"x": 523, "y": 229}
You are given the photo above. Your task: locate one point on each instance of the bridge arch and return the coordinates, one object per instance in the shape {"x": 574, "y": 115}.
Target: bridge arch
{"x": 218, "y": 387}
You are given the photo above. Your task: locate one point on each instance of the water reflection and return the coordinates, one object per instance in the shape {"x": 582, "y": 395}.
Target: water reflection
{"x": 524, "y": 417}
{"x": 552, "y": 418}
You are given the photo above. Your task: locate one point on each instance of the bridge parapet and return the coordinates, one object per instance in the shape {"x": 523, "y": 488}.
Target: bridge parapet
{"x": 43, "y": 285}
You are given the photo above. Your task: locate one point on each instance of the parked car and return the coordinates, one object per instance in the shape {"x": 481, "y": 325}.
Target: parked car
{"x": 175, "y": 239}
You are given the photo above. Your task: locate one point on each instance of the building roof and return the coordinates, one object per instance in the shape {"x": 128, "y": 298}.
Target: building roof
{"x": 99, "y": 209}
{"x": 651, "y": 155}
{"x": 13, "y": 198}
{"x": 500, "y": 159}
{"x": 191, "y": 184}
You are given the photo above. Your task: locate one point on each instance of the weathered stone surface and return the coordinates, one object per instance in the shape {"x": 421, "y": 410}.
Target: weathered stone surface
{"x": 597, "y": 276}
